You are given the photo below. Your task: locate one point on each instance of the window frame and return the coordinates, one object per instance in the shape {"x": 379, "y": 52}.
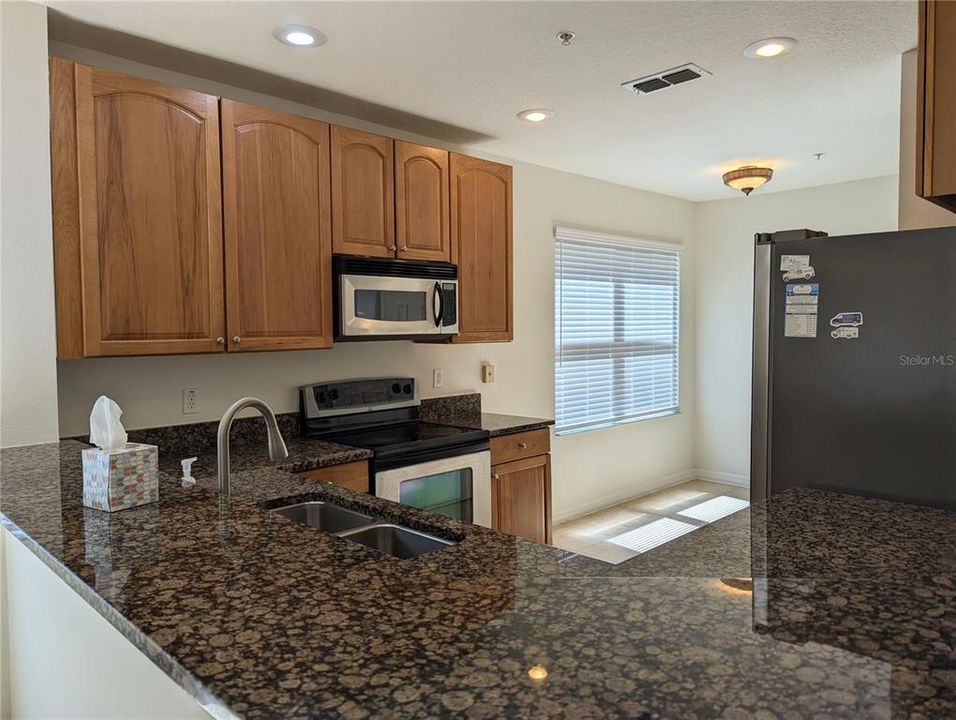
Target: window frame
{"x": 597, "y": 237}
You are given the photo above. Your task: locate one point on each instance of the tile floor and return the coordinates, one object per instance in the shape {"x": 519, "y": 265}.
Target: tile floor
{"x": 618, "y": 533}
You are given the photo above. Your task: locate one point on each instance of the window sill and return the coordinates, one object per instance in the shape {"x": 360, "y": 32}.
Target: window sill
{"x": 617, "y": 423}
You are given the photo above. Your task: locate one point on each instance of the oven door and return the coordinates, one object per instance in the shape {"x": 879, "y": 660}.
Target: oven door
{"x": 373, "y": 305}
{"x": 457, "y": 487}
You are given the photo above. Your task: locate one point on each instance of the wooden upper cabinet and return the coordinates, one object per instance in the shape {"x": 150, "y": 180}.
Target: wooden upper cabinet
{"x": 481, "y": 245}
{"x": 363, "y": 193}
{"x": 150, "y": 222}
{"x": 936, "y": 103}
{"x": 422, "y": 228}
{"x": 278, "y": 229}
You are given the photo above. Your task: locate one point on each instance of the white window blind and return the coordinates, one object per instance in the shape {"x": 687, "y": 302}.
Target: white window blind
{"x": 617, "y": 323}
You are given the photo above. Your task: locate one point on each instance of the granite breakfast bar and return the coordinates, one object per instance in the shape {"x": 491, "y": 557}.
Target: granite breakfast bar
{"x": 850, "y": 612}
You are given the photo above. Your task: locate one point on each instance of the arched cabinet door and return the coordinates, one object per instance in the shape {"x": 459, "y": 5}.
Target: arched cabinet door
{"x": 481, "y": 244}
{"x": 363, "y": 193}
{"x": 422, "y": 227}
{"x": 150, "y": 223}
{"x": 278, "y": 229}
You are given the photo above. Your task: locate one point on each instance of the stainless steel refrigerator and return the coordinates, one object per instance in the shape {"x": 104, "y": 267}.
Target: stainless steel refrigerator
{"x": 854, "y": 372}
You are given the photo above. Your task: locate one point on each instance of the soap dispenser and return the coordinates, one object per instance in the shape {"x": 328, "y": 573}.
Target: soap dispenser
{"x": 188, "y": 479}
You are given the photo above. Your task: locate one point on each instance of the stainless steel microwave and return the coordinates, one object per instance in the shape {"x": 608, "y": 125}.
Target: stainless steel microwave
{"x": 384, "y": 299}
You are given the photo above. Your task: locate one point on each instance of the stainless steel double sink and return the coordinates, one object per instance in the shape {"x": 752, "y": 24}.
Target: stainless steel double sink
{"x": 388, "y": 538}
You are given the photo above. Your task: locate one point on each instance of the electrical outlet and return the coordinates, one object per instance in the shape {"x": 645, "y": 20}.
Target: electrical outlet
{"x": 438, "y": 377}
{"x": 487, "y": 372}
{"x": 190, "y": 401}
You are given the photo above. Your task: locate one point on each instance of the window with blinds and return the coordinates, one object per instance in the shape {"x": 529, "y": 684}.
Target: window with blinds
{"x": 617, "y": 322}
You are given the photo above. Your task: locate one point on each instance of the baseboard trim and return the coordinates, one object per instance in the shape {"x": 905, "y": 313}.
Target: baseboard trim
{"x": 723, "y": 477}
{"x": 608, "y": 500}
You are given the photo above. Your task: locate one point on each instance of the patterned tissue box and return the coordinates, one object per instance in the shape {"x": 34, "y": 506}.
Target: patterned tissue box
{"x": 120, "y": 479}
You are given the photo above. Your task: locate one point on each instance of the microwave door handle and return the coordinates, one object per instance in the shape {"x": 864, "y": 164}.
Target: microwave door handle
{"x": 439, "y": 300}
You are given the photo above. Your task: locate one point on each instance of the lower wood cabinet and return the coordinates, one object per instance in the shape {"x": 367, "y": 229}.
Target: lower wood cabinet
{"x": 352, "y": 476}
{"x": 521, "y": 498}
{"x": 521, "y": 484}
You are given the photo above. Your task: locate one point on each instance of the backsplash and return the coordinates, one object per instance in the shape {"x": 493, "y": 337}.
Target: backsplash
{"x": 453, "y": 409}
{"x": 201, "y": 437}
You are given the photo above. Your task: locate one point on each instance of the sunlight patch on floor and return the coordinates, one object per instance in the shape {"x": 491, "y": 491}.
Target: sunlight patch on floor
{"x": 623, "y": 531}
{"x": 714, "y": 509}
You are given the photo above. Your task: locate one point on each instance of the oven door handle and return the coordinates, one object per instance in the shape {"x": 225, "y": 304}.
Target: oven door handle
{"x": 439, "y": 300}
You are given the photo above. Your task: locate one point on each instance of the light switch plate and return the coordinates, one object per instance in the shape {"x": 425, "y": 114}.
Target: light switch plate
{"x": 438, "y": 377}
{"x": 487, "y": 372}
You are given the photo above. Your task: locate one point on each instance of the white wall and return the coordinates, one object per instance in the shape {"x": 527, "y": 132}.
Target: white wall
{"x": 54, "y": 635}
{"x": 590, "y": 469}
{"x": 27, "y": 337}
{"x": 914, "y": 211}
{"x": 725, "y": 231}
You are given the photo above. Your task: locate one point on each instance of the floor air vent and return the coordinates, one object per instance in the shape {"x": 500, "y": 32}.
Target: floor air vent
{"x": 666, "y": 79}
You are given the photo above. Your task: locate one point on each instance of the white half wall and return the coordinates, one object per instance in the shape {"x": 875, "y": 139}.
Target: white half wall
{"x": 27, "y": 335}
{"x": 724, "y": 309}
{"x": 70, "y": 662}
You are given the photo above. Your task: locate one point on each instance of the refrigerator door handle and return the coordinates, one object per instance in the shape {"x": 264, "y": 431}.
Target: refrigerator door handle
{"x": 761, "y": 379}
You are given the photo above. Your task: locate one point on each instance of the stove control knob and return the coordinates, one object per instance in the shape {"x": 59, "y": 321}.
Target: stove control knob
{"x": 333, "y": 394}
{"x": 396, "y": 388}
{"x": 320, "y": 396}
{"x": 407, "y": 389}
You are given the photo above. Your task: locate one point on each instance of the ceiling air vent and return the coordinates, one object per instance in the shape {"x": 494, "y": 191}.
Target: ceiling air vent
{"x": 666, "y": 79}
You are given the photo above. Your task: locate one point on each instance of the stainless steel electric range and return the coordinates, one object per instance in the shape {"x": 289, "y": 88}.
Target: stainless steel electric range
{"x": 439, "y": 468}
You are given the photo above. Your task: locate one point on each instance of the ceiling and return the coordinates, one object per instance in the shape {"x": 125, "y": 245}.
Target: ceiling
{"x": 473, "y": 65}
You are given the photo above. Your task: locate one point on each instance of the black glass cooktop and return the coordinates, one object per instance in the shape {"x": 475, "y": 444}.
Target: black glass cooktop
{"x": 411, "y": 437}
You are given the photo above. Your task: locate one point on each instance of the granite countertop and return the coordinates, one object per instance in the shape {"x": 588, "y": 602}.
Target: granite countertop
{"x": 465, "y": 411}
{"x": 304, "y": 454}
{"x": 852, "y": 611}
{"x": 497, "y": 424}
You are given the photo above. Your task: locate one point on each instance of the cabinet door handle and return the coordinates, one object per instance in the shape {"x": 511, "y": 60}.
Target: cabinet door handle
{"x": 496, "y": 476}
{"x": 393, "y": 248}
{"x": 235, "y": 339}
{"x": 220, "y": 341}
{"x": 522, "y": 446}
{"x": 405, "y": 248}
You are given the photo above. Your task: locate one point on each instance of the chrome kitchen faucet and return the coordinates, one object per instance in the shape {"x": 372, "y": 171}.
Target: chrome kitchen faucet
{"x": 277, "y": 448}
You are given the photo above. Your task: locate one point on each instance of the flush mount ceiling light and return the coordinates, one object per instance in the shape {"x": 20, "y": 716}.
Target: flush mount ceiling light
{"x": 747, "y": 178}
{"x": 536, "y": 115}
{"x": 769, "y": 47}
{"x": 299, "y": 35}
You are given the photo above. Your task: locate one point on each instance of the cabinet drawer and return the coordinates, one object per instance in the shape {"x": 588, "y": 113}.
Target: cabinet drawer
{"x": 351, "y": 476}
{"x": 520, "y": 445}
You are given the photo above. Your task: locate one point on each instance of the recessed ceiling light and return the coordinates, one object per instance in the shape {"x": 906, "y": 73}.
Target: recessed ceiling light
{"x": 299, "y": 35}
{"x": 769, "y": 47}
{"x": 536, "y": 115}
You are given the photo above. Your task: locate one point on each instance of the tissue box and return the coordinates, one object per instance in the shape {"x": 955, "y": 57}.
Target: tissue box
{"x": 122, "y": 478}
